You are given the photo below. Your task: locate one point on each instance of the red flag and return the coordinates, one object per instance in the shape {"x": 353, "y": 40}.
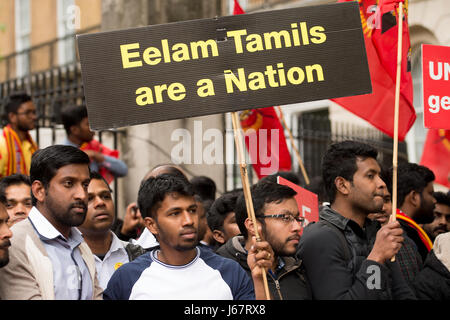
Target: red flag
{"x": 307, "y": 201}
{"x": 388, "y": 5}
{"x": 385, "y": 39}
{"x": 378, "y": 107}
{"x": 436, "y": 155}
{"x": 97, "y": 146}
{"x": 266, "y": 143}
{"x": 237, "y": 8}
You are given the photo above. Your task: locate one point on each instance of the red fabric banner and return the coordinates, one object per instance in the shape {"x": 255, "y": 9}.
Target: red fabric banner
{"x": 436, "y": 155}
{"x": 266, "y": 143}
{"x": 97, "y": 146}
{"x": 380, "y": 35}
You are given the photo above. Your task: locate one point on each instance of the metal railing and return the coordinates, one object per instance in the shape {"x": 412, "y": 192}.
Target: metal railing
{"x": 313, "y": 136}
{"x": 51, "y": 89}
{"x": 43, "y": 56}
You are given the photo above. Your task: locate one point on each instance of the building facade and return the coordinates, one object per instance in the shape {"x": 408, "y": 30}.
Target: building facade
{"x": 38, "y": 54}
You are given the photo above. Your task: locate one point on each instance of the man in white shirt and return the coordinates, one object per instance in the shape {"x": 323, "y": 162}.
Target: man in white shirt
{"x": 48, "y": 257}
{"x": 109, "y": 251}
{"x": 178, "y": 268}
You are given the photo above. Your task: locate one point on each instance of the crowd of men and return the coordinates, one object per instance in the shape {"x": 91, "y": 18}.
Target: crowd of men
{"x": 59, "y": 238}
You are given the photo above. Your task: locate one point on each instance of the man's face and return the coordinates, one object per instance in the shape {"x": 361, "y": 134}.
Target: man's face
{"x": 26, "y": 116}
{"x": 202, "y": 222}
{"x": 83, "y": 132}
{"x": 441, "y": 222}
{"x": 66, "y": 196}
{"x": 176, "y": 222}
{"x": 5, "y": 235}
{"x": 100, "y": 212}
{"x": 425, "y": 213}
{"x": 367, "y": 189}
{"x": 18, "y": 202}
{"x": 230, "y": 226}
{"x": 282, "y": 235}
{"x": 229, "y": 229}
{"x": 383, "y": 216}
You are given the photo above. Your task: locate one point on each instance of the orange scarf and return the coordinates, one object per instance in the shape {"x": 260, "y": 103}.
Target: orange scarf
{"x": 14, "y": 147}
{"x": 422, "y": 234}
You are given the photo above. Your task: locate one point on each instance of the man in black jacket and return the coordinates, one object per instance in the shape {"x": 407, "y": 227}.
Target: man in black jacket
{"x": 433, "y": 282}
{"x": 279, "y": 224}
{"x": 345, "y": 254}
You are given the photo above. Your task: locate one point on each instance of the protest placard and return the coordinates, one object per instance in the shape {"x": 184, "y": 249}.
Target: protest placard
{"x": 307, "y": 201}
{"x": 436, "y": 86}
{"x": 210, "y": 66}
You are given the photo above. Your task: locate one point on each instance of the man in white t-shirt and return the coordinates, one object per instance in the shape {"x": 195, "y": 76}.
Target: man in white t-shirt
{"x": 178, "y": 268}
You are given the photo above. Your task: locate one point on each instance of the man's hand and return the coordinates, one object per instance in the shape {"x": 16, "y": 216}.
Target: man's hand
{"x": 260, "y": 257}
{"x": 387, "y": 243}
{"x": 132, "y": 220}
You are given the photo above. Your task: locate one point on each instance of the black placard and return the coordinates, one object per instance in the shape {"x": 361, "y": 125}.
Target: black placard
{"x": 209, "y": 66}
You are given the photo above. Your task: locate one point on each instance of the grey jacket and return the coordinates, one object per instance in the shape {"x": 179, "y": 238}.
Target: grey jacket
{"x": 29, "y": 273}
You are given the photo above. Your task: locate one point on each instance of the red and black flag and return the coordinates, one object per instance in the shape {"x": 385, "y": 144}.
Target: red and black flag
{"x": 264, "y": 136}
{"x": 379, "y": 23}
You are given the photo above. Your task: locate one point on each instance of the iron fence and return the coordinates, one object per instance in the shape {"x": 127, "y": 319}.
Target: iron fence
{"x": 316, "y": 132}
{"x": 51, "y": 89}
{"x": 313, "y": 136}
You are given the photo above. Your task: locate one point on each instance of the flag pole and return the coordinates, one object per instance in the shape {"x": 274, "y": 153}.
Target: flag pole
{"x": 396, "y": 115}
{"x": 291, "y": 138}
{"x": 246, "y": 187}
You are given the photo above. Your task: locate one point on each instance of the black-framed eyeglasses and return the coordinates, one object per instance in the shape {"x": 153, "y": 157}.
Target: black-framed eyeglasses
{"x": 288, "y": 218}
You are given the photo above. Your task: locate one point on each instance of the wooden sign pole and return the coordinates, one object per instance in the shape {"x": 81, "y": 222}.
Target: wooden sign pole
{"x": 396, "y": 116}
{"x": 297, "y": 154}
{"x": 246, "y": 186}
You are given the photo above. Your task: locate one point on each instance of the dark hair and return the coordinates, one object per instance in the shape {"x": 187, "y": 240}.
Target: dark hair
{"x": 263, "y": 192}
{"x": 442, "y": 198}
{"x": 72, "y": 115}
{"x": 220, "y": 208}
{"x": 205, "y": 187}
{"x": 288, "y": 175}
{"x": 97, "y": 176}
{"x": 169, "y": 168}
{"x": 46, "y": 162}
{"x": 410, "y": 176}
{"x": 340, "y": 161}
{"x": 153, "y": 191}
{"x": 316, "y": 186}
{"x": 386, "y": 176}
{"x": 13, "y": 103}
{"x": 12, "y": 180}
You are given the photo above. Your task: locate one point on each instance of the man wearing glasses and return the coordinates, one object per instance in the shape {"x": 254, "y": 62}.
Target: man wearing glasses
{"x": 16, "y": 144}
{"x": 279, "y": 224}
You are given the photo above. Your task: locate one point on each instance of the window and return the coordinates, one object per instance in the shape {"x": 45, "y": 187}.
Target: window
{"x": 23, "y": 30}
{"x": 66, "y": 45}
